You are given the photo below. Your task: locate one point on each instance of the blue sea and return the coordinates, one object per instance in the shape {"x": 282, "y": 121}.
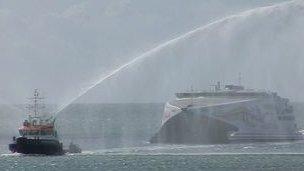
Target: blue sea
{"x": 115, "y": 137}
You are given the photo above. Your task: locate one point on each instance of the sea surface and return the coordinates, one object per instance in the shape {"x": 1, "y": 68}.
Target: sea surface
{"x": 116, "y": 137}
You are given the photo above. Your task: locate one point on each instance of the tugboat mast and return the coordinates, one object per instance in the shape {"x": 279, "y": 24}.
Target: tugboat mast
{"x": 36, "y": 94}
{"x": 35, "y": 106}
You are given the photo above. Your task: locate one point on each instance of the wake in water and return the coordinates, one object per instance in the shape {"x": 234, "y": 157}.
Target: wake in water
{"x": 10, "y": 154}
{"x": 278, "y": 8}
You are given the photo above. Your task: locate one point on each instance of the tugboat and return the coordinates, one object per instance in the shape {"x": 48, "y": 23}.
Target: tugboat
{"x": 37, "y": 134}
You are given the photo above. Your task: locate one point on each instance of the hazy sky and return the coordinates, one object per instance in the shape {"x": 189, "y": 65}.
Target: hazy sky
{"x": 62, "y": 47}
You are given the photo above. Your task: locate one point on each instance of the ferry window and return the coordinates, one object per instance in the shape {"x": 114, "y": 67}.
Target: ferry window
{"x": 286, "y": 118}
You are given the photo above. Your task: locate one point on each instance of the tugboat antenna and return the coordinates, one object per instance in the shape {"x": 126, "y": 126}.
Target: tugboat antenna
{"x": 240, "y": 79}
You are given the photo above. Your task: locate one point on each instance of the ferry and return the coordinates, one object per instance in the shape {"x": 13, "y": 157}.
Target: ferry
{"x": 226, "y": 115}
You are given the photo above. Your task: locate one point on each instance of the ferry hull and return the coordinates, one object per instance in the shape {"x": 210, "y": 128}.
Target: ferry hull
{"x": 190, "y": 128}
{"x": 36, "y": 146}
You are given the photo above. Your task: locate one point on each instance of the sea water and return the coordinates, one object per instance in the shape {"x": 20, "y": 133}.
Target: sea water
{"x": 283, "y": 156}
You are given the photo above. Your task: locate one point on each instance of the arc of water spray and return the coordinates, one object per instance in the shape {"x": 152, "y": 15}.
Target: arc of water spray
{"x": 162, "y": 46}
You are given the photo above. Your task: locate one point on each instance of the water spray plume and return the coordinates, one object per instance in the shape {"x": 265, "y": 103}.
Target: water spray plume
{"x": 168, "y": 44}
